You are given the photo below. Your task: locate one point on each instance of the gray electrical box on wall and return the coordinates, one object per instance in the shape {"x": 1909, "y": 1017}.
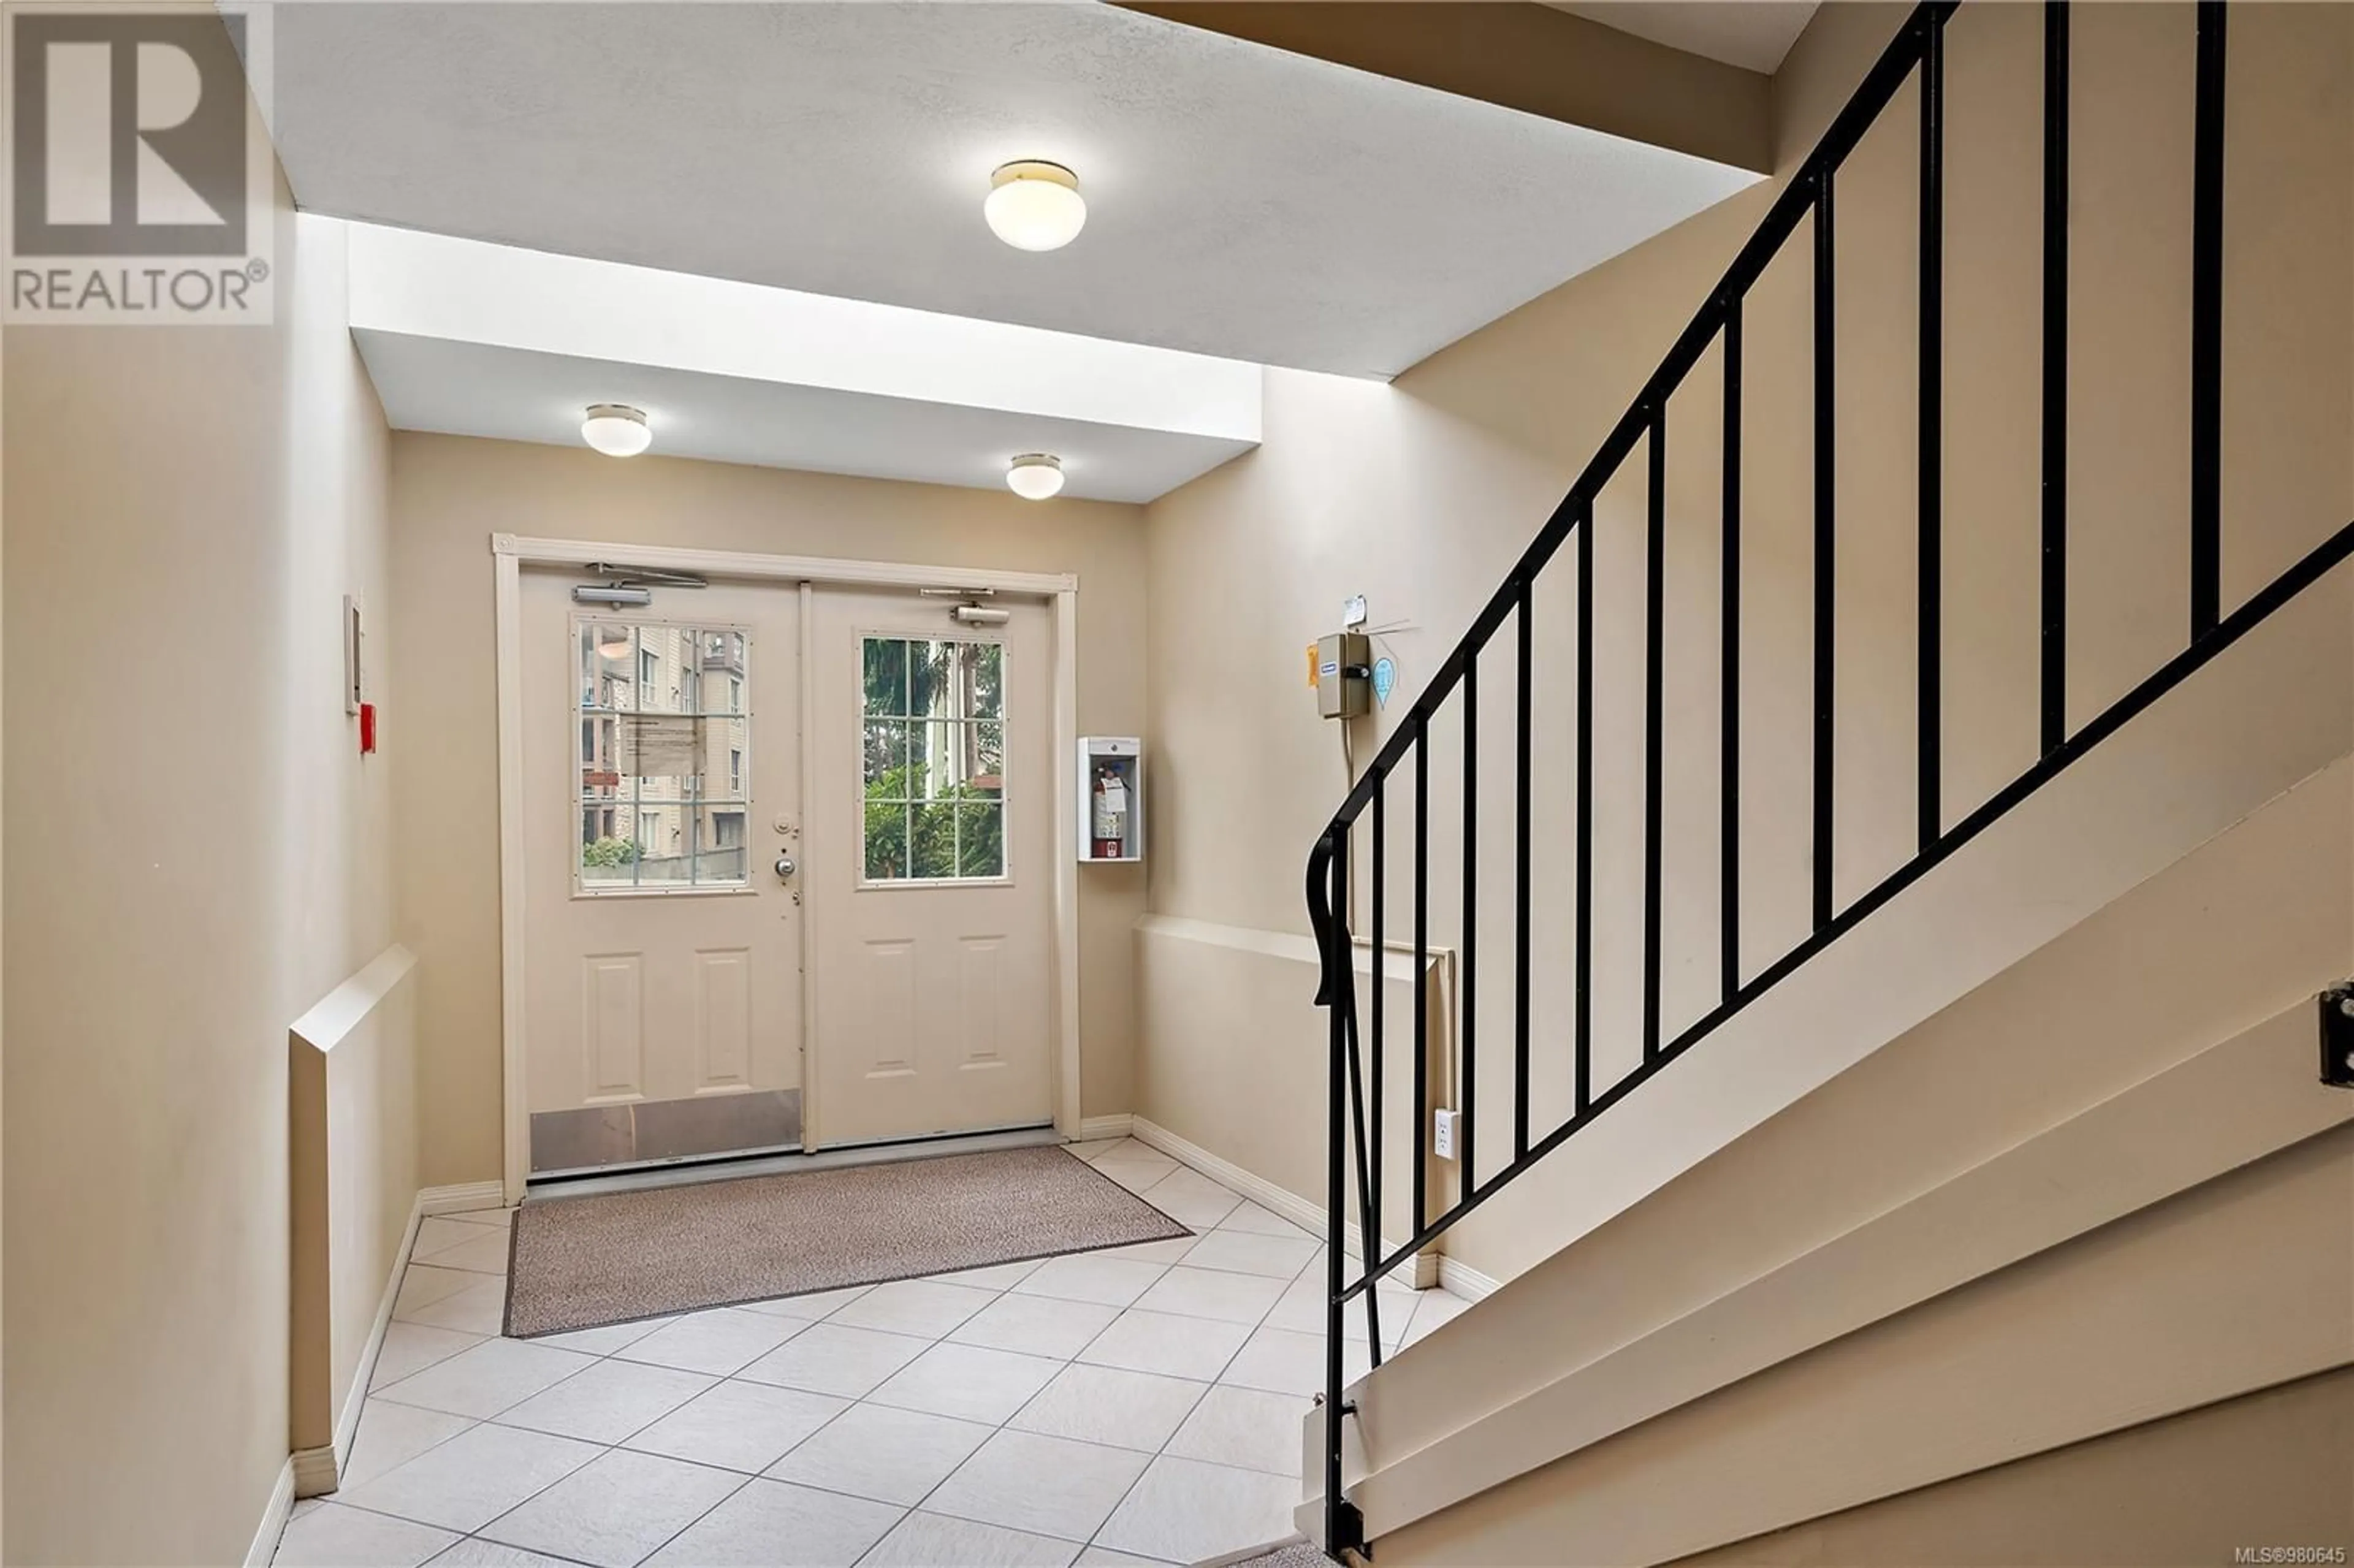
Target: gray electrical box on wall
{"x": 1344, "y": 675}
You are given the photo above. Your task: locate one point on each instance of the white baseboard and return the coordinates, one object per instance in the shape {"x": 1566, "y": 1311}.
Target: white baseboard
{"x": 1461, "y": 1279}
{"x": 273, "y": 1520}
{"x": 1096, "y": 1127}
{"x": 317, "y": 1472}
{"x": 1308, "y": 1216}
{"x": 462, "y": 1197}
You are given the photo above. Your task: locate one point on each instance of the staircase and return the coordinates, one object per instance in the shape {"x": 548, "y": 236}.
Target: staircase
{"x": 1525, "y": 1015}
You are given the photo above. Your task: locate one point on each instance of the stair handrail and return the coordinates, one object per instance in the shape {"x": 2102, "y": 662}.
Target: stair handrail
{"x": 1918, "y": 45}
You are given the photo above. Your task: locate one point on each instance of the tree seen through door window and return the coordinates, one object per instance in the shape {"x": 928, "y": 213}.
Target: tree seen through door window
{"x": 933, "y": 757}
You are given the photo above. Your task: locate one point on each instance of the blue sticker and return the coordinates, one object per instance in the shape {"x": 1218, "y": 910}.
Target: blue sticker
{"x": 1384, "y": 680}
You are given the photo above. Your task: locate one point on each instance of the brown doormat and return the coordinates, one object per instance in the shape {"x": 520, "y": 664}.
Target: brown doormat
{"x": 582, "y": 1263}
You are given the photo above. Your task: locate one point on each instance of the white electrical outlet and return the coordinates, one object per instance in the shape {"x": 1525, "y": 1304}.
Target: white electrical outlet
{"x": 1442, "y": 1136}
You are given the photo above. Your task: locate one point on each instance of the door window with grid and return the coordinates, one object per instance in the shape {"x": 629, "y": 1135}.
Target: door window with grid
{"x": 933, "y": 755}
{"x": 663, "y": 743}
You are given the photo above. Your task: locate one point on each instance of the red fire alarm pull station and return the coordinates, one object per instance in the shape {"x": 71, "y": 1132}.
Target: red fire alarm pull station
{"x": 367, "y": 729}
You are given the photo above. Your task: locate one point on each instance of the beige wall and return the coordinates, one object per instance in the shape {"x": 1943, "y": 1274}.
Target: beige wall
{"x": 1225, "y": 990}
{"x": 334, "y": 845}
{"x": 450, "y": 494}
{"x": 1420, "y": 494}
{"x": 186, "y": 872}
{"x": 349, "y": 1206}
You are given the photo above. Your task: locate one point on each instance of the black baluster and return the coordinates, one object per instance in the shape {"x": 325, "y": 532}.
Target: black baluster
{"x": 2207, "y": 326}
{"x": 1728, "y": 797}
{"x": 1655, "y": 602}
{"x": 1930, "y": 710}
{"x": 1520, "y": 886}
{"x": 1469, "y": 1096}
{"x": 1825, "y": 545}
{"x": 2055, "y": 374}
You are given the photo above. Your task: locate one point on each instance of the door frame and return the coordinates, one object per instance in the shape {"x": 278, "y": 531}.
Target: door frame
{"x": 509, "y": 553}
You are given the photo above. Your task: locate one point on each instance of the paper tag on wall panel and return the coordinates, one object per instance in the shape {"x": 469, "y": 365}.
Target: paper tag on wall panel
{"x": 658, "y": 745}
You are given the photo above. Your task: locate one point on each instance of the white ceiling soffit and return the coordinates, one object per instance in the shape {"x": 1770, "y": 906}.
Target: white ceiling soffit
{"x": 1754, "y": 35}
{"x": 1242, "y": 201}
{"x": 469, "y": 338}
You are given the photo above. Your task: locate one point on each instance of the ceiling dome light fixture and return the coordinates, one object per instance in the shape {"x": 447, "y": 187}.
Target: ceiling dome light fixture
{"x": 1033, "y": 476}
{"x": 616, "y": 429}
{"x": 1034, "y": 206}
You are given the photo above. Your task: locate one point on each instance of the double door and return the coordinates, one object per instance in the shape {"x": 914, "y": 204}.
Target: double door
{"x": 788, "y": 854}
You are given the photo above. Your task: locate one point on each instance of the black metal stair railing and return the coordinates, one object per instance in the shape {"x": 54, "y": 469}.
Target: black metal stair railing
{"x": 1356, "y": 1097}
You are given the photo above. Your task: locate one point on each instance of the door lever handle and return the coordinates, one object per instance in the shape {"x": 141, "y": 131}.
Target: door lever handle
{"x": 785, "y": 868}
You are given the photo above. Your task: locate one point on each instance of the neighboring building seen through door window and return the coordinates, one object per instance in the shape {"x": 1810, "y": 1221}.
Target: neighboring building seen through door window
{"x": 934, "y": 717}
{"x": 663, "y": 744}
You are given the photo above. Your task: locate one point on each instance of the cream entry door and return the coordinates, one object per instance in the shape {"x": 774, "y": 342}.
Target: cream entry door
{"x": 662, "y": 760}
{"x": 930, "y": 869}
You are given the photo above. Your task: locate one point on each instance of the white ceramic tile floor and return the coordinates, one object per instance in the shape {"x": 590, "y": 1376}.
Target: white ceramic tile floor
{"x": 968, "y": 1382}
{"x": 475, "y": 1552}
{"x": 936, "y": 1541}
{"x": 1136, "y": 1405}
{"x": 494, "y": 1377}
{"x": 1196, "y": 1348}
{"x": 475, "y": 1307}
{"x": 1099, "y": 1277}
{"x": 830, "y": 1359}
{"x": 393, "y": 1434}
{"x": 410, "y": 1348}
{"x": 1247, "y": 1428}
{"x": 722, "y": 1340}
{"x": 888, "y": 1455}
{"x": 436, "y": 1234}
{"x": 607, "y": 1401}
{"x": 336, "y": 1537}
{"x": 1245, "y": 1252}
{"x": 739, "y": 1426}
{"x": 423, "y": 1285}
{"x": 486, "y": 1254}
{"x": 617, "y": 1510}
{"x": 1035, "y": 1325}
{"x": 927, "y": 1308}
{"x": 1211, "y": 1293}
{"x": 1044, "y": 1486}
{"x": 1104, "y": 1405}
{"x": 772, "y": 1524}
{"x": 472, "y": 1478}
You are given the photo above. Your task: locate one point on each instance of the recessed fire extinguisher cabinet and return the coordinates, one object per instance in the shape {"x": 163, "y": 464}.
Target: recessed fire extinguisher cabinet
{"x": 1112, "y": 798}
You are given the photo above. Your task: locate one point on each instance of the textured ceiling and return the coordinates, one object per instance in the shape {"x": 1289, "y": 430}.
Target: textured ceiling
{"x": 1242, "y": 202}
{"x": 1752, "y": 34}
{"x": 515, "y": 395}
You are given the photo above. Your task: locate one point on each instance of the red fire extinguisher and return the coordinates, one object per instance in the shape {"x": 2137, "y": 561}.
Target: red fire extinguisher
{"x": 1110, "y": 815}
